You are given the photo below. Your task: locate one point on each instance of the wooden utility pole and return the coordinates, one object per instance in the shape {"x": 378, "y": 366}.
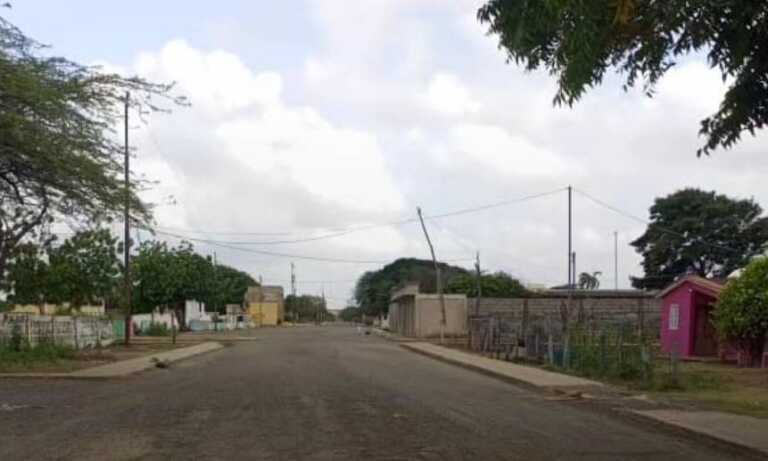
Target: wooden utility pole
{"x": 293, "y": 280}
{"x": 127, "y": 237}
{"x": 571, "y": 282}
{"x": 478, "y": 275}
{"x": 615, "y": 260}
{"x": 439, "y": 278}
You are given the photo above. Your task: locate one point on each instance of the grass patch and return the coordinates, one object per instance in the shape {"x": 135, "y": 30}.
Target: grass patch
{"x": 21, "y": 356}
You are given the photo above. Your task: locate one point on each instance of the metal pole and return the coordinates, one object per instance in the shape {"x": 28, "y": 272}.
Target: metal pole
{"x": 615, "y": 260}
{"x": 479, "y": 293}
{"x": 127, "y": 237}
{"x": 570, "y": 249}
{"x": 439, "y": 278}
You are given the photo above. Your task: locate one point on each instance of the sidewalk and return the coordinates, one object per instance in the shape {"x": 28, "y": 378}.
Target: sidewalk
{"x": 125, "y": 367}
{"x": 520, "y": 373}
{"x": 743, "y": 432}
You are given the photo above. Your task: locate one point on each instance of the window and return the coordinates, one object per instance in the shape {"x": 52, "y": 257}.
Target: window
{"x": 674, "y": 316}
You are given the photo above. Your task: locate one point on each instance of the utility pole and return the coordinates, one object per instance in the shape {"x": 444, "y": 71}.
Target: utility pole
{"x": 293, "y": 280}
{"x": 127, "y": 237}
{"x": 478, "y": 275}
{"x": 573, "y": 268}
{"x": 439, "y": 278}
{"x": 570, "y": 249}
{"x": 615, "y": 260}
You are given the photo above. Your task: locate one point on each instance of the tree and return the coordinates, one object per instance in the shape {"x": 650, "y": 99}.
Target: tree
{"x": 166, "y": 277}
{"x": 694, "y": 231}
{"x": 496, "y": 285}
{"x": 579, "y": 41}
{"x": 351, "y": 314}
{"x": 741, "y": 314}
{"x": 27, "y": 280}
{"x": 58, "y": 152}
{"x": 85, "y": 269}
{"x": 373, "y": 288}
{"x": 589, "y": 281}
{"x": 230, "y": 285}
{"x": 305, "y": 308}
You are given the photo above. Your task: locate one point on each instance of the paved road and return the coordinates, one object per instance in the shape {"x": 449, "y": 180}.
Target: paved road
{"x": 318, "y": 393}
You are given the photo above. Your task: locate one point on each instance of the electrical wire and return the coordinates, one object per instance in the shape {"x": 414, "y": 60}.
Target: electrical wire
{"x": 389, "y": 224}
{"x": 647, "y": 222}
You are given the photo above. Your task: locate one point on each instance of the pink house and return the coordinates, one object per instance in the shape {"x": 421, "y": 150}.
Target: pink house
{"x": 686, "y": 326}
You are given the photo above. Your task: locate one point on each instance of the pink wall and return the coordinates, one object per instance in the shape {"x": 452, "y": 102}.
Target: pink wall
{"x": 682, "y": 338}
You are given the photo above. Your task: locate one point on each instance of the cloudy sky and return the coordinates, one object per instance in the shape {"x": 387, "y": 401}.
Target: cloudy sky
{"x": 312, "y": 117}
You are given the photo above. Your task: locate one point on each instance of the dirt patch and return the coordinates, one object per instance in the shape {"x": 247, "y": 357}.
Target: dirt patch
{"x": 88, "y": 358}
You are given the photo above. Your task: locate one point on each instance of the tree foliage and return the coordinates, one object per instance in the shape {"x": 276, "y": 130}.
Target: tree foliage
{"x": 694, "y": 231}
{"x": 167, "y": 276}
{"x": 741, "y": 313}
{"x": 305, "y": 308}
{"x": 351, "y": 314}
{"x": 579, "y": 41}
{"x": 589, "y": 281}
{"x": 59, "y": 155}
{"x": 496, "y": 285}
{"x": 373, "y": 288}
{"x": 83, "y": 270}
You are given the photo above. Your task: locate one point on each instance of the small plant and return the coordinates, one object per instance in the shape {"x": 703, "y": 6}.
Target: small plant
{"x": 158, "y": 329}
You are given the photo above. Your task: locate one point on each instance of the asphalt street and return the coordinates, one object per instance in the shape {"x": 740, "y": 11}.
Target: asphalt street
{"x": 315, "y": 393}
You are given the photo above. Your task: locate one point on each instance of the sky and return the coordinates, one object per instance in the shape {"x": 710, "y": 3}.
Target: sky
{"x": 311, "y": 118}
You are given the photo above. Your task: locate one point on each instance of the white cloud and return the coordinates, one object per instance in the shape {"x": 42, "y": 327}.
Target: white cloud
{"x": 446, "y": 95}
{"x": 401, "y": 103}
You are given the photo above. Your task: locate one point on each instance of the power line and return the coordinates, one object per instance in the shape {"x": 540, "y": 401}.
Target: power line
{"x": 285, "y": 255}
{"x": 647, "y": 222}
{"x": 376, "y": 226}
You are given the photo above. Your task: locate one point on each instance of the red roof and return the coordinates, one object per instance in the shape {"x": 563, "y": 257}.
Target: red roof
{"x": 708, "y": 286}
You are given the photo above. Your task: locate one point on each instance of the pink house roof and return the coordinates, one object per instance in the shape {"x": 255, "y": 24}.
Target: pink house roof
{"x": 707, "y": 286}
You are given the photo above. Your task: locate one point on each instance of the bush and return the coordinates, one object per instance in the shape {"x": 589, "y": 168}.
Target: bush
{"x": 157, "y": 329}
{"x": 741, "y": 314}
{"x": 618, "y": 353}
{"x": 19, "y": 353}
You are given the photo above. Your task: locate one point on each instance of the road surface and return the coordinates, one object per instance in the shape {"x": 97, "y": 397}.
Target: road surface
{"x": 315, "y": 393}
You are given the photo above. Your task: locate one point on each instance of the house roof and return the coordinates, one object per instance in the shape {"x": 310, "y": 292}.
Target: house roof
{"x": 708, "y": 286}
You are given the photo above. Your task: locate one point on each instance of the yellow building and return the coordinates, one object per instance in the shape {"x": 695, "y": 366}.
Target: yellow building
{"x": 265, "y": 305}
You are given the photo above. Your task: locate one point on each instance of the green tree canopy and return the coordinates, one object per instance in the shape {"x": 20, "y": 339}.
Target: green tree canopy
{"x": 701, "y": 232}
{"x": 373, "y": 288}
{"x": 167, "y": 276}
{"x": 59, "y": 154}
{"x": 351, "y": 314}
{"x": 84, "y": 269}
{"x": 305, "y": 308}
{"x": 496, "y": 285}
{"x": 578, "y": 41}
{"x": 741, "y": 313}
{"x": 587, "y": 281}
{"x": 230, "y": 285}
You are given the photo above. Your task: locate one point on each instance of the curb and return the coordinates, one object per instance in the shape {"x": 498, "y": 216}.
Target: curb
{"x": 657, "y": 424}
{"x": 560, "y": 390}
{"x": 708, "y": 439}
{"x": 93, "y": 373}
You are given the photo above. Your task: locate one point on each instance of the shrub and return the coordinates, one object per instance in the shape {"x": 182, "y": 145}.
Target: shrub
{"x": 741, "y": 314}
{"x": 158, "y": 329}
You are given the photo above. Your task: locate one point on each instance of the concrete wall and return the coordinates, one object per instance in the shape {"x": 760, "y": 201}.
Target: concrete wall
{"x": 76, "y": 332}
{"x": 419, "y": 316}
{"x": 429, "y": 317}
{"x": 265, "y": 313}
{"x": 594, "y": 312}
{"x": 142, "y": 322}
{"x": 53, "y": 309}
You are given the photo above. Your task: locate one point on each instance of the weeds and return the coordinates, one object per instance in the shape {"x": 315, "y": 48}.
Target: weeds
{"x": 18, "y": 353}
